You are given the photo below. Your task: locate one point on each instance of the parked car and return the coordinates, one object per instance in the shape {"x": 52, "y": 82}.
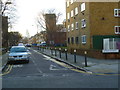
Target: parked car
{"x": 20, "y": 44}
{"x": 28, "y": 45}
{"x": 42, "y": 44}
{"x": 18, "y": 53}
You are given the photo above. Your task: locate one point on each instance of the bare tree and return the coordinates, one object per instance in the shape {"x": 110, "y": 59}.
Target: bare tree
{"x": 9, "y": 9}
{"x": 41, "y": 17}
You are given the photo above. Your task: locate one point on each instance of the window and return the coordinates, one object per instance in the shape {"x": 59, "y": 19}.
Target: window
{"x": 84, "y": 39}
{"x": 76, "y": 10}
{"x": 72, "y": 26}
{"x": 72, "y": 40}
{"x": 68, "y": 40}
{"x": 82, "y": 7}
{"x": 68, "y": 28}
{"x": 68, "y": 15}
{"x": 75, "y": 0}
{"x": 72, "y": 13}
{"x": 117, "y": 12}
{"x": 76, "y": 25}
{"x": 83, "y": 23}
{"x": 68, "y": 3}
{"x": 71, "y": 1}
{"x": 77, "y": 40}
{"x": 110, "y": 45}
{"x": 117, "y": 29}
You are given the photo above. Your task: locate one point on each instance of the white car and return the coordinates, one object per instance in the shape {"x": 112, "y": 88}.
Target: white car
{"x": 18, "y": 53}
{"x": 20, "y": 44}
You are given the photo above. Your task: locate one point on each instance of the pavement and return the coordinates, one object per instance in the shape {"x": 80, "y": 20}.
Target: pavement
{"x": 96, "y": 66}
{"x": 3, "y": 61}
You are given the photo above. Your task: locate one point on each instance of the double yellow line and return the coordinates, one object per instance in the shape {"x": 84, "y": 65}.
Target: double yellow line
{"x": 8, "y": 70}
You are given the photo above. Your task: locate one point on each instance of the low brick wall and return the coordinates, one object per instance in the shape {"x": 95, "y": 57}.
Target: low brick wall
{"x": 96, "y": 54}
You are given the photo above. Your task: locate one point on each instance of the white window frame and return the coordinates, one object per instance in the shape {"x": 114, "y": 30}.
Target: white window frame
{"x": 118, "y": 12}
{"x": 76, "y": 11}
{"x": 72, "y": 26}
{"x": 71, "y": 1}
{"x": 117, "y": 29}
{"x": 84, "y": 40}
{"x": 68, "y": 28}
{"x": 68, "y": 3}
{"x": 75, "y": 0}
{"x": 72, "y": 13}
{"x": 83, "y": 7}
{"x": 68, "y": 15}
{"x": 109, "y": 45}
{"x": 83, "y": 23}
{"x": 77, "y": 25}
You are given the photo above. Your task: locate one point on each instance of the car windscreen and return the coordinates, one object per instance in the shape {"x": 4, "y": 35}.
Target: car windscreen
{"x": 18, "y": 49}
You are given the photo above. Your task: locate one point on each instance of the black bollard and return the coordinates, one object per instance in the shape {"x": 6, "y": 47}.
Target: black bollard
{"x": 55, "y": 52}
{"x": 66, "y": 54}
{"x": 74, "y": 56}
{"x": 85, "y": 58}
{"x": 60, "y": 52}
{"x": 51, "y": 51}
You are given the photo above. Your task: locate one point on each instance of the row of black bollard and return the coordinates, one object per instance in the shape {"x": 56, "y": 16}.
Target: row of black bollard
{"x": 66, "y": 55}
{"x": 42, "y": 49}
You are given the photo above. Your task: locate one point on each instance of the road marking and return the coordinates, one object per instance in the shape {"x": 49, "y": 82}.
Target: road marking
{"x": 7, "y": 71}
{"x": 17, "y": 66}
{"x": 36, "y": 63}
{"x": 60, "y": 63}
{"x": 53, "y": 67}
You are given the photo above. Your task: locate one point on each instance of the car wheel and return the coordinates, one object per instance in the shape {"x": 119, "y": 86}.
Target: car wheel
{"x": 27, "y": 61}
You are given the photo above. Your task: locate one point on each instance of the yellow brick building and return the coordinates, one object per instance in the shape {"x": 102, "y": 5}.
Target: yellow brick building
{"x": 88, "y": 23}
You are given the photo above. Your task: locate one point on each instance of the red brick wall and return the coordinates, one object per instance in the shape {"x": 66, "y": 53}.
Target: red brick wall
{"x": 96, "y": 54}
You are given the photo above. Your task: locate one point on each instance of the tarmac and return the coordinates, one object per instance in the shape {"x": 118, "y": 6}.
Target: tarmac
{"x": 94, "y": 66}
{"x": 87, "y": 64}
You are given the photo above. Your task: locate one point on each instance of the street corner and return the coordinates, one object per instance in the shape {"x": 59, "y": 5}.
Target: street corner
{"x": 103, "y": 69}
{"x": 89, "y": 64}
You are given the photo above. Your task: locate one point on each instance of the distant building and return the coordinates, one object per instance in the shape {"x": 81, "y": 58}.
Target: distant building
{"x": 55, "y": 34}
{"x": 38, "y": 38}
{"x": 60, "y": 35}
{"x": 50, "y": 20}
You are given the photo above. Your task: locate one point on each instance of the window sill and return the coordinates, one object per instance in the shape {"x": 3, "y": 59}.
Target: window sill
{"x": 83, "y": 43}
{"x": 111, "y": 51}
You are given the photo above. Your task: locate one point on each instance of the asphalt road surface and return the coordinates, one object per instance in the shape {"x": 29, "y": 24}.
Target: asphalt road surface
{"x": 45, "y": 72}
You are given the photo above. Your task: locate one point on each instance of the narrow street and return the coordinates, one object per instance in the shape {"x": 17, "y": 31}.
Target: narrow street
{"x": 45, "y": 72}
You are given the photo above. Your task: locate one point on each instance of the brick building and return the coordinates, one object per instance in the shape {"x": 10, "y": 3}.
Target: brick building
{"x": 90, "y": 23}
{"x": 87, "y": 21}
{"x": 55, "y": 34}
